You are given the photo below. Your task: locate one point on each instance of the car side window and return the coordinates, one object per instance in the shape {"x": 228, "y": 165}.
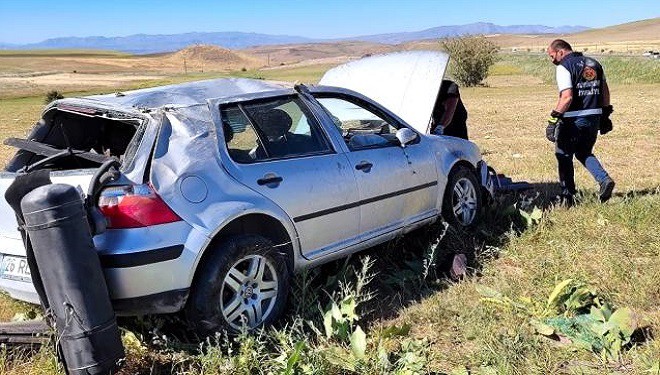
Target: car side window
{"x": 360, "y": 127}
{"x": 270, "y": 130}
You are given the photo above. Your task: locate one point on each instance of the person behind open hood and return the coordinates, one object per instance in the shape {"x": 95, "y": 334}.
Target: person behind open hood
{"x": 449, "y": 113}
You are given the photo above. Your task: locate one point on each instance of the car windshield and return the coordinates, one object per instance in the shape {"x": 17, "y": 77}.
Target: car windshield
{"x": 359, "y": 126}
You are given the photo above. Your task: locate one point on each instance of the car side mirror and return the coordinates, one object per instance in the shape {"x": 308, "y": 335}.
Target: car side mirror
{"x": 405, "y": 136}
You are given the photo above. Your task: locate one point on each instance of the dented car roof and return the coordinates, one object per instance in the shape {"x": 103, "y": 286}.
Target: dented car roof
{"x": 186, "y": 93}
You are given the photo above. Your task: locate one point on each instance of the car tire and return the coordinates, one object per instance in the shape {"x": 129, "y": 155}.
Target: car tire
{"x": 243, "y": 284}
{"x": 463, "y": 201}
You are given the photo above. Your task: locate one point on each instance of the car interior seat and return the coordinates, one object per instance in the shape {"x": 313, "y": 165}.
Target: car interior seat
{"x": 275, "y": 125}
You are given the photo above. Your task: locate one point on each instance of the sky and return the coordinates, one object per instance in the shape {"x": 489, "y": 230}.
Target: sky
{"x": 28, "y": 21}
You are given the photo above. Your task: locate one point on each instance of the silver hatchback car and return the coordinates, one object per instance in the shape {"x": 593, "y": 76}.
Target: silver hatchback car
{"x": 229, "y": 186}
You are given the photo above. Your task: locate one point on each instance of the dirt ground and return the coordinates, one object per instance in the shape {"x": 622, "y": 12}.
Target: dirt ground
{"x": 34, "y": 84}
{"x": 26, "y": 74}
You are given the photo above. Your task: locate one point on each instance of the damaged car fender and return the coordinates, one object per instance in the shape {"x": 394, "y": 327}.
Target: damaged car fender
{"x": 449, "y": 152}
{"x": 187, "y": 171}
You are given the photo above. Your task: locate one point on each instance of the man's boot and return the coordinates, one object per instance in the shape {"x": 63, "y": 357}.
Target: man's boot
{"x": 567, "y": 200}
{"x": 606, "y": 188}
{"x": 567, "y": 197}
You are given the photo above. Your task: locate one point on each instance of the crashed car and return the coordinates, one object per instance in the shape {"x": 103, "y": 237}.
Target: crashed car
{"x": 229, "y": 186}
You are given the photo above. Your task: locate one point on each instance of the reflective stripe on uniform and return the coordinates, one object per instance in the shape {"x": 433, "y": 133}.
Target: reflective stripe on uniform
{"x": 584, "y": 112}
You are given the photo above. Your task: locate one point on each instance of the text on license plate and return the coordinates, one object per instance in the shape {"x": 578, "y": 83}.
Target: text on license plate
{"x": 14, "y": 268}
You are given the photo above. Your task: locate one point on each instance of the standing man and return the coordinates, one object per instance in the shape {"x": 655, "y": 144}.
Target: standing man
{"x": 583, "y": 108}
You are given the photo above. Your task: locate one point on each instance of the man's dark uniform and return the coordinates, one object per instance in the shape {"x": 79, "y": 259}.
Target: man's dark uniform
{"x": 579, "y": 130}
{"x": 457, "y": 126}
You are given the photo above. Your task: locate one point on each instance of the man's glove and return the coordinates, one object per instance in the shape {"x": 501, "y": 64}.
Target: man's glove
{"x": 554, "y": 123}
{"x": 605, "y": 122}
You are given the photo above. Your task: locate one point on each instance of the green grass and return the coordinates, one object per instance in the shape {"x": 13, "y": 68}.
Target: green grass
{"x": 304, "y": 74}
{"x": 16, "y": 118}
{"x": 444, "y": 327}
{"x": 618, "y": 69}
{"x": 614, "y": 248}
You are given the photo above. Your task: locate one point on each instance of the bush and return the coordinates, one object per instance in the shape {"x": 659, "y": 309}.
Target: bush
{"x": 53, "y": 95}
{"x": 471, "y": 56}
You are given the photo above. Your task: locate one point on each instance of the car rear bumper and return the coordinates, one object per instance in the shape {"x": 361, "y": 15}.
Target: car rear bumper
{"x": 140, "y": 280}
{"x": 159, "y": 303}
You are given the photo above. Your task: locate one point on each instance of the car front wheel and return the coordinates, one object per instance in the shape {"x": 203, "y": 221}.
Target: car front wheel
{"x": 462, "y": 202}
{"x": 243, "y": 284}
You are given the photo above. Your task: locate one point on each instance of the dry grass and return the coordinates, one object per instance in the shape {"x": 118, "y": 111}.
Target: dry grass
{"x": 508, "y": 123}
{"x": 17, "y": 116}
{"x": 613, "y": 247}
{"x": 36, "y": 72}
{"x": 296, "y": 53}
{"x": 66, "y": 82}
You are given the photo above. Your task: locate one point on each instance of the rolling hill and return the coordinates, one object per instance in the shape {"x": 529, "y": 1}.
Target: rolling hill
{"x": 146, "y": 44}
{"x": 633, "y": 37}
{"x": 317, "y": 52}
{"x": 469, "y": 29}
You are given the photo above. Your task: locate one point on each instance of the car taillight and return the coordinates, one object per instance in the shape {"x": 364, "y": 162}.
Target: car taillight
{"x": 134, "y": 206}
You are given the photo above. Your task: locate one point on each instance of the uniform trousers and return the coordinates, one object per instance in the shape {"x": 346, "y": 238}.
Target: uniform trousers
{"x": 577, "y": 136}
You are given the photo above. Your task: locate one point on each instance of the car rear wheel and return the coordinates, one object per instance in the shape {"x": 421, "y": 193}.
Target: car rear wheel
{"x": 243, "y": 284}
{"x": 463, "y": 201}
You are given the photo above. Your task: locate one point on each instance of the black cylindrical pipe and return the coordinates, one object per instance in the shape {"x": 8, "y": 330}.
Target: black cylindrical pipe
{"x": 87, "y": 331}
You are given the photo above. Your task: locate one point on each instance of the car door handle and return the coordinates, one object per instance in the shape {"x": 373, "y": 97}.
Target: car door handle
{"x": 364, "y": 166}
{"x": 269, "y": 179}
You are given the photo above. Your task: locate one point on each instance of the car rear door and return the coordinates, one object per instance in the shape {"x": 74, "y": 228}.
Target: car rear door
{"x": 278, "y": 149}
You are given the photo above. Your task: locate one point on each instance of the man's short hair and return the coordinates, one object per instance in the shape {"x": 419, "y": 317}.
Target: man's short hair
{"x": 558, "y": 44}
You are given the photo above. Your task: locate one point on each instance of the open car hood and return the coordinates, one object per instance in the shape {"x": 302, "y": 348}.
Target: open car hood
{"x": 406, "y": 83}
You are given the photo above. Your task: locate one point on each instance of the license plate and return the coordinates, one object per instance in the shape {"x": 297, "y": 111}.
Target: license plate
{"x": 14, "y": 268}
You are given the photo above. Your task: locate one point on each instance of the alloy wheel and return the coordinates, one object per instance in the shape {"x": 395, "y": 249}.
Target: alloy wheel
{"x": 464, "y": 201}
{"x": 249, "y": 292}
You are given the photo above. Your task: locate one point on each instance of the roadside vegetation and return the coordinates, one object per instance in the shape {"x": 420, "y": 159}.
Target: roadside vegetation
{"x": 618, "y": 69}
{"x": 547, "y": 290}
{"x": 471, "y": 58}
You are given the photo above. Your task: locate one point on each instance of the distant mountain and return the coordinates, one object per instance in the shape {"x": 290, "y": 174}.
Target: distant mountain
{"x": 8, "y": 46}
{"x": 143, "y": 43}
{"x": 469, "y": 29}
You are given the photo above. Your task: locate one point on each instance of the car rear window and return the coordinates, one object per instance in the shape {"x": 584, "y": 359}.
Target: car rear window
{"x": 272, "y": 129}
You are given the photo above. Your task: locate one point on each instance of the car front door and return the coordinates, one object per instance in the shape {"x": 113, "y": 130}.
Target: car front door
{"x": 279, "y": 150}
{"x": 398, "y": 186}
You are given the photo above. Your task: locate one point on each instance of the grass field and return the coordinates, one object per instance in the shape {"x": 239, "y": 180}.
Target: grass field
{"x": 423, "y": 325}
{"x": 618, "y": 69}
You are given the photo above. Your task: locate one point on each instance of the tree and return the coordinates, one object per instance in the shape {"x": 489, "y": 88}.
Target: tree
{"x": 471, "y": 58}
{"x": 53, "y": 95}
